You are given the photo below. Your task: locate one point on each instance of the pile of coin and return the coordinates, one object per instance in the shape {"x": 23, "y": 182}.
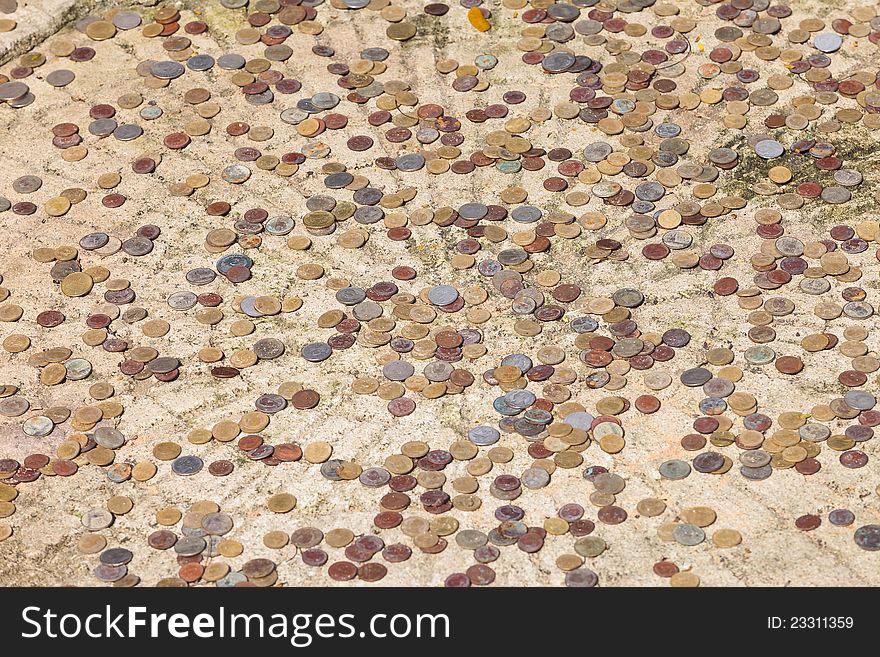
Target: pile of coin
{"x": 526, "y": 300}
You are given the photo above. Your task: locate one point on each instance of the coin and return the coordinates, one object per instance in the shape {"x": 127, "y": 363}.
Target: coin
{"x": 281, "y": 503}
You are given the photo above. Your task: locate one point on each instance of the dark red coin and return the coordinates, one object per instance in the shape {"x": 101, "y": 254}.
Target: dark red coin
{"x": 113, "y": 200}
{"x": 665, "y": 568}
{"x": 221, "y": 468}
{"x": 50, "y": 318}
{"x": 808, "y": 522}
{"x": 342, "y": 571}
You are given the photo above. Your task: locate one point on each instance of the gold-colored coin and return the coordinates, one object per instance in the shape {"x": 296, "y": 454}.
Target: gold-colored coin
{"x": 701, "y": 516}
{"x": 168, "y": 516}
{"x": 317, "y": 452}
{"x": 726, "y": 538}
{"x": 651, "y": 507}
{"x": 230, "y": 548}
{"x": 684, "y": 579}
{"x": 281, "y": 503}
{"x": 119, "y": 505}
{"x": 275, "y": 540}
{"x": 91, "y": 543}
{"x": 340, "y": 537}
{"x": 100, "y": 30}
{"x": 77, "y": 284}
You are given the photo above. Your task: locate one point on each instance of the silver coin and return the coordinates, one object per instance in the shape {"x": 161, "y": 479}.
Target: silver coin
{"x": 14, "y": 406}
{"x": 534, "y": 478}
{"x": 581, "y": 578}
{"x": 325, "y": 100}
{"x": 473, "y": 210}
{"x": 858, "y": 309}
{"x": 754, "y": 458}
{"x": 103, "y": 127}
{"x": 579, "y": 420}
{"x": 60, "y": 78}
{"x": 109, "y": 437}
{"x": 231, "y": 61}
{"x": 190, "y": 546}
{"x": 248, "y": 307}
{"x": 268, "y": 348}
{"x": 163, "y": 365}
{"x": 96, "y": 519}
{"x": 200, "y": 276}
{"x": 27, "y": 184}
{"x": 315, "y": 352}
{"x": 200, "y": 63}
{"x": 769, "y": 148}
{"x": 183, "y": 300}
{"x": 835, "y": 195}
{"x": 756, "y": 474}
{"x": 597, "y": 151}
{"x": 484, "y": 435}
{"x": 374, "y": 477}
{"x": 847, "y": 177}
{"x": 827, "y": 42}
{"x": 263, "y": 98}
{"x": 350, "y": 296}
{"x": 127, "y": 132}
{"x": 270, "y": 403}
{"x": 94, "y": 241}
{"x": 13, "y": 90}
{"x": 126, "y": 20}
{"x": 366, "y": 311}
{"x": 814, "y": 286}
{"x": 38, "y": 426}
{"x": 280, "y": 225}
{"x": 759, "y": 355}
{"x": 675, "y": 469}
{"x": 841, "y": 517}
{"x": 398, "y": 370}
{"x": 695, "y": 377}
{"x": 116, "y": 557}
{"x": 167, "y": 70}
{"x": 78, "y": 369}
{"x": 442, "y": 295}
{"x": 295, "y": 116}
{"x": 410, "y": 162}
{"x": 814, "y": 432}
{"x": 24, "y": 101}
{"x": 186, "y": 465}
{"x": 860, "y": 400}
{"x": 557, "y": 62}
{"x": 867, "y": 537}
{"x": 231, "y": 580}
{"x": 790, "y": 246}
{"x": 217, "y": 524}
{"x": 526, "y": 214}
{"x": 236, "y": 174}
{"x": 687, "y": 534}
{"x": 137, "y": 246}
{"x": 471, "y": 539}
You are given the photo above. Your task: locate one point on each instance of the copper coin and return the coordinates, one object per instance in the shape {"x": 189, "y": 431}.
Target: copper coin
{"x": 342, "y": 571}
{"x": 50, "y": 318}
{"x": 853, "y": 459}
{"x": 665, "y": 568}
{"x": 305, "y": 399}
{"x": 808, "y": 522}
{"x": 220, "y": 468}
{"x": 611, "y": 515}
